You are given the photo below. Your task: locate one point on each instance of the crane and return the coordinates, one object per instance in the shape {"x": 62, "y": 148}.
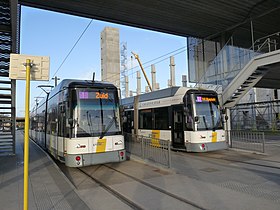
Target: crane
{"x": 138, "y": 59}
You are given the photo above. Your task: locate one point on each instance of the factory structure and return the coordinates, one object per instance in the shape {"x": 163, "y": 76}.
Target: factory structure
{"x": 209, "y": 66}
{"x": 114, "y": 65}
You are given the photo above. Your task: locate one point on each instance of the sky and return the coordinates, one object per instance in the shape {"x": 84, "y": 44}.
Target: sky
{"x": 46, "y": 33}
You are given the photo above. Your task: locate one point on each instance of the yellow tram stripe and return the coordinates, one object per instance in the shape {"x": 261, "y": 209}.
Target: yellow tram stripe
{"x": 214, "y": 136}
{"x": 101, "y": 145}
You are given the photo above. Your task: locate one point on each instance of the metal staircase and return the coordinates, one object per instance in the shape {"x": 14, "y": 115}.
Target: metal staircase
{"x": 236, "y": 70}
{"x": 8, "y": 44}
{"x": 248, "y": 77}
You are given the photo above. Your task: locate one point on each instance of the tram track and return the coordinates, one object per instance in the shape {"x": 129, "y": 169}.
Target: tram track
{"x": 158, "y": 189}
{"x": 131, "y": 203}
{"x": 121, "y": 197}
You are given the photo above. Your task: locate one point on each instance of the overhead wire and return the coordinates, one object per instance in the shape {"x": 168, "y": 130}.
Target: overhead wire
{"x": 188, "y": 47}
{"x": 68, "y": 54}
{"x": 137, "y": 67}
{"x": 164, "y": 55}
{"x": 86, "y": 28}
{"x": 183, "y": 49}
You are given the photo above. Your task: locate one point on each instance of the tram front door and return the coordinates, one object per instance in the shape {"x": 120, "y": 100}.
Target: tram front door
{"x": 177, "y": 129}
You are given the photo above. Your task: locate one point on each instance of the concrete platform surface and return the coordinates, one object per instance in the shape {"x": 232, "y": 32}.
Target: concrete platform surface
{"x": 251, "y": 181}
{"x": 48, "y": 187}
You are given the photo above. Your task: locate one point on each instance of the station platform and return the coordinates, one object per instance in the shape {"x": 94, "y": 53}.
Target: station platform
{"x": 48, "y": 187}
{"x": 209, "y": 184}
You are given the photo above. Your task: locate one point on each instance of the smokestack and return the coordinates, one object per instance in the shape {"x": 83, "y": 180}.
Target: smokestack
{"x": 172, "y": 71}
{"x": 184, "y": 80}
{"x": 126, "y": 87}
{"x": 169, "y": 83}
{"x": 147, "y": 89}
{"x": 138, "y": 90}
{"x": 157, "y": 86}
{"x": 153, "y": 72}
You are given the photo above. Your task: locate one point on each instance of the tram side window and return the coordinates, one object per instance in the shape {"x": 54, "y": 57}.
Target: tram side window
{"x": 48, "y": 124}
{"x": 145, "y": 119}
{"x": 189, "y": 118}
{"x": 52, "y": 122}
{"x": 33, "y": 123}
{"x": 41, "y": 123}
{"x": 161, "y": 118}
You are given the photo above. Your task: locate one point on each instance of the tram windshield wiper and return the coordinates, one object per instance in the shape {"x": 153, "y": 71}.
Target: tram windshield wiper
{"x": 205, "y": 123}
{"x": 89, "y": 121}
{"x": 112, "y": 121}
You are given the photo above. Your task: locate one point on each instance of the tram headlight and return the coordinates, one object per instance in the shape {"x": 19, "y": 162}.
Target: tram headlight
{"x": 202, "y": 147}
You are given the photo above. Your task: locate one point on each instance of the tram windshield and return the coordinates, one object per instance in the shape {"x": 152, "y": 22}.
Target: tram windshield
{"x": 207, "y": 112}
{"x": 95, "y": 112}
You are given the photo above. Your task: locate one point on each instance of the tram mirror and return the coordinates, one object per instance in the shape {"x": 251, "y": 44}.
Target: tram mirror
{"x": 196, "y": 119}
{"x": 62, "y": 108}
{"x": 124, "y": 119}
{"x": 70, "y": 121}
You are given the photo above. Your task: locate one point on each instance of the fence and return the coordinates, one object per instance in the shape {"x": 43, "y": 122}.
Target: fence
{"x": 261, "y": 116}
{"x": 152, "y": 149}
{"x": 247, "y": 140}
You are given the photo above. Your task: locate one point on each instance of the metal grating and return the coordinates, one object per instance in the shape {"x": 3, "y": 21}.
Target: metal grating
{"x": 5, "y": 37}
{"x": 267, "y": 190}
{"x": 8, "y": 44}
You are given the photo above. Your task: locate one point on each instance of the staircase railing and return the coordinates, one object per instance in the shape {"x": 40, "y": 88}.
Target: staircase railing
{"x": 234, "y": 58}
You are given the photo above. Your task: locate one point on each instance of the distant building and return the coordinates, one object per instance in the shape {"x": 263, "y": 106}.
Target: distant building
{"x": 110, "y": 56}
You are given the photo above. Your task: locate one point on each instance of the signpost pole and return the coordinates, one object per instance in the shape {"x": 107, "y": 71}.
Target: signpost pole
{"x": 26, "y": 135}
{"x": 20, "y": 68}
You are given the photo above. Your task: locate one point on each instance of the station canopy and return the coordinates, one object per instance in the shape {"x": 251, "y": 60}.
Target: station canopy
{"x": 197, "y": 18}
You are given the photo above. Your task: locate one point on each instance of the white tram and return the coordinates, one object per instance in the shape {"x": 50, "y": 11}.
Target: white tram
{"x": 190, "y": 118}
{"x": 79, "y": 123}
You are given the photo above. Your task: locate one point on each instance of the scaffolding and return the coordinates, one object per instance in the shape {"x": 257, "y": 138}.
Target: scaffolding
{"x": 124, "y": 68}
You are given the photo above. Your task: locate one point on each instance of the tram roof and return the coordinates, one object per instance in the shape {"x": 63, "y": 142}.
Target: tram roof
{"x": 76, "y": 83}
{"x": 168, "y": 92}
{"x": 164, "y": 93}
{"x": 203, "y": 19}
{"x": 80, "y": 83}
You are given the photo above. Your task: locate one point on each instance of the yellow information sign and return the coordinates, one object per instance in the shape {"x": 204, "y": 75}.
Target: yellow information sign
{"x": 214, "y": 136}
{"x": 155, "y": 138}
{"x": 101, "y": 145}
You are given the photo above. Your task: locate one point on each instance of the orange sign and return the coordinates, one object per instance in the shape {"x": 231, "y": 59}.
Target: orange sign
{"x": 101, "y": 95}
{"x": 208, "y": 99}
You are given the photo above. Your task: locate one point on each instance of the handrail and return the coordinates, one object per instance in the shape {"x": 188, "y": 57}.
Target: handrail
{"x": 268, "y": 36}
{"x": 250, "y": 51}
{"x": 255, "y": 53}
{"x": 213, "y": 61}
